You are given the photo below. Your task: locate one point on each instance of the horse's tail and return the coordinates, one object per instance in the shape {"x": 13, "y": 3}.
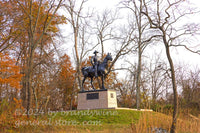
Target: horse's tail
{"x": 83, "y": 70}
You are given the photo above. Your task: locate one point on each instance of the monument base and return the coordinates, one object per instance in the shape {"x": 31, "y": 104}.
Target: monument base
{"x": 99, "y": 99}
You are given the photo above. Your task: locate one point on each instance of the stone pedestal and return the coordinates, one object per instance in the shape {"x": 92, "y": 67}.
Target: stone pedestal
{"x": 99, "y": 99}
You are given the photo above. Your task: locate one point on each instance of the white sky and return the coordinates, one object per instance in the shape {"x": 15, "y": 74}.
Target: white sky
{"x": 190, "y": 57}
{"x": 179, "y": 55}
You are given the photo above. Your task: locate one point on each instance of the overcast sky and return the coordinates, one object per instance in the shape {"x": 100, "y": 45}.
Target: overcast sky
{"x": 179, "y": 54}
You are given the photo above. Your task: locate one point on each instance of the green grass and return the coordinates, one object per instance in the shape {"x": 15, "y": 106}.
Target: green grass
{"x": 102, "y": 120}
{"x": 103, "y": 116}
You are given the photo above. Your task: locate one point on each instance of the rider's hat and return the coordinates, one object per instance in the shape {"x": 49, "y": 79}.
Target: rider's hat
{"x": 95, "y": 52}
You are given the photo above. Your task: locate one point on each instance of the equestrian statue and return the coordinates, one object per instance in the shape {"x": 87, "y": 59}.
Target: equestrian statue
{"x": 97, "y": 69}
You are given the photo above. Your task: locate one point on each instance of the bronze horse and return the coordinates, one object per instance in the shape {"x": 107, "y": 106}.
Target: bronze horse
{"x": 89, "y": 71}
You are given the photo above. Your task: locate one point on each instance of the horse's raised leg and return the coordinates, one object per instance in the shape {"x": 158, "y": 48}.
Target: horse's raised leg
{"x": 83, "y": 84}
{"x": 102, "y": 79}
{"x": 92, "y": 83}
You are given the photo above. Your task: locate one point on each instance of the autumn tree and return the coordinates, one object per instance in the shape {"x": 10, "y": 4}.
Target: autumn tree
{"x": 8, "y": 32}
{"x": 10, "y": 76}
{"x": 36, "y": 21}
{"x": 126, "y": 89}
{"x": 65, "y": 82}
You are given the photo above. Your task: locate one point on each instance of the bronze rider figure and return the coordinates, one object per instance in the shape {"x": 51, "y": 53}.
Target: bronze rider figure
{"x": 94, "y": 62}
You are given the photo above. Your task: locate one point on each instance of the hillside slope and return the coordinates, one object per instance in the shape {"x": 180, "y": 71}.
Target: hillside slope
{"x": 104, "y": 120}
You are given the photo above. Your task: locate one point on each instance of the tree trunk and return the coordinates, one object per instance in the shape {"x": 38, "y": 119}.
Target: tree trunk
{"x": 78, "y": 67}
{"x": 24, "y": 92}
{"x": 71, "y": 102}
{"x": 138, "y": 81}
{"x": 28, "y": 81}
{"x": 173, "y": 78}
{"x": 139, "y": 21}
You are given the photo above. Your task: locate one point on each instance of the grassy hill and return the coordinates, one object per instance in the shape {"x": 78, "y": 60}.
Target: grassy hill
{"x": 105, "y": 121}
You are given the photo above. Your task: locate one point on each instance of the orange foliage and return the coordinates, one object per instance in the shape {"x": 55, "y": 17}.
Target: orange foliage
{"x": 9, "y": 72}
{"x": 10, "y": 77}
{"x": 66, "y": 75}
{"x": 66, "y": 78}
{"x": 16, "y": 20}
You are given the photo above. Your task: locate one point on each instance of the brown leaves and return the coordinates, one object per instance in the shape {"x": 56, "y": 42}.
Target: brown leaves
{"x": 67, "y": 73}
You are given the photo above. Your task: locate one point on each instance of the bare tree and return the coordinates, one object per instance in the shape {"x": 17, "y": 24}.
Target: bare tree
{"x": 162, "y": 16}
{"x": 189, "y": 82}
{"x": 104, "y": 28}
{"x": 141, "y": 36}
{"x": 158, "y": 75}
{"x": 77, "y": 18}
{"x": 123, "y": 45}
{"x": 127, "y": 87}
{"x": 107, "y": 30}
